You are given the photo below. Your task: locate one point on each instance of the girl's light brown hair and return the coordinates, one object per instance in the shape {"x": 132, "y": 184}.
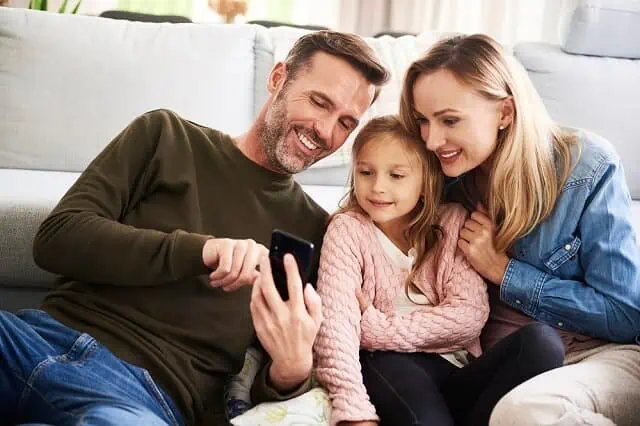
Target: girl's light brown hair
{"x": 533, "y": 157}
{"x": 423, "y": 231}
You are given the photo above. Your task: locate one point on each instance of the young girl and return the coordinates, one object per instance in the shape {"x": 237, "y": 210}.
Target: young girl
{"x": 394, "y": 284}
{"x": 550, "y": 230}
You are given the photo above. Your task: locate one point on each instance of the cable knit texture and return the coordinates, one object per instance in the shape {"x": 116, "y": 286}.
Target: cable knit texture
{"x": 352, "y": 257}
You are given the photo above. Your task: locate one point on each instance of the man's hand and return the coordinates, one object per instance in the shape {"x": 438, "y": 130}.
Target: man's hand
{"x": 476, "y": 242}
{"x": 288, "y": 329}
{"x": 233, "y": 262}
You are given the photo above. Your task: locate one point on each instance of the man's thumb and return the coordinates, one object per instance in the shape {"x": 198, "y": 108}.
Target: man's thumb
{"x": 314, "y": 304}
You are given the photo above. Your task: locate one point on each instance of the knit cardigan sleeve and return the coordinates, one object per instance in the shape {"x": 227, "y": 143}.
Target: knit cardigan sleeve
{"x": 452, "y": 324}
{"x": 338, "y": 342}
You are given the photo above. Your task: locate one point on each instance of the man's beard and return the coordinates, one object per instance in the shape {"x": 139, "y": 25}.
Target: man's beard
{"x": 281, "y": 157}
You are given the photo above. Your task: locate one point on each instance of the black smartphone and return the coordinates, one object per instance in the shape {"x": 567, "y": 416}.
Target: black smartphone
{"x": 282, "y": 243}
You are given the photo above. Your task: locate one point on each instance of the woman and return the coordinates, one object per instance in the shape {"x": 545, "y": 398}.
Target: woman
{"x": 550, "y": 228}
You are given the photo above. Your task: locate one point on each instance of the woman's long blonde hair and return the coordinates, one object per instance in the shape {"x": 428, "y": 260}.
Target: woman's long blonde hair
{"x": 423, "y": 231}
{"x": 533, "y": 157}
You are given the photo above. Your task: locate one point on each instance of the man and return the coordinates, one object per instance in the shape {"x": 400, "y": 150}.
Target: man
{"x": 157, "y": 240}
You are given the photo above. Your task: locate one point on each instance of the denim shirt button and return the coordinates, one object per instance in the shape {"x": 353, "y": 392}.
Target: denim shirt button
{"x": 560, "y": 324}
{"x": 567, "y": 247}
{"x": 518, "y": 302}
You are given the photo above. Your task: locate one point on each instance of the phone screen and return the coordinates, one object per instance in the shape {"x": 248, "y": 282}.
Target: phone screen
{"x": 302, "y": 250}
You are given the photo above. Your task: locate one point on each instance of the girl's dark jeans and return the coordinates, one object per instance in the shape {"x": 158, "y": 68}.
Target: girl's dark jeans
{"x": 425, "y": 389}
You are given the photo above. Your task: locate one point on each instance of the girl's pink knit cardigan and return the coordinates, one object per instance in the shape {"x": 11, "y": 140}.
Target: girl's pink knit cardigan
{"x": 353, "y": 258}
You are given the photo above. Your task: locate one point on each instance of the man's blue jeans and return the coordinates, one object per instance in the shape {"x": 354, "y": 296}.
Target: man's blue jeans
{"x": 52, "y": 374}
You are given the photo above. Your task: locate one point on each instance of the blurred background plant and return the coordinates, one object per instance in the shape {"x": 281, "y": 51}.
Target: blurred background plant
{"x": 43, "y": 5}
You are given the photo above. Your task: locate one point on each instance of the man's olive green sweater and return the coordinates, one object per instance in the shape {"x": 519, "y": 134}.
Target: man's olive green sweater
{"x": 128, "y": 239}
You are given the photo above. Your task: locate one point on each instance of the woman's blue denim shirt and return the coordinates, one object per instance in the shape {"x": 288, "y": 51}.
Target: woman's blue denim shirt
{"x": 579, "y": 270}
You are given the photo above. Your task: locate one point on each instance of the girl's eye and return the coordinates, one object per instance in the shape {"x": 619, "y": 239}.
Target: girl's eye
{"x": 450, "y": 121}
{"x": 364, "y": 172}
{"x": 421, "y": 120}
{"x": 397, "y": 176}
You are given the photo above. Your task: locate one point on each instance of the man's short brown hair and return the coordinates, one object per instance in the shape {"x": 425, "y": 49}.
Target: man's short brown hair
{"x": 350, "y": 47}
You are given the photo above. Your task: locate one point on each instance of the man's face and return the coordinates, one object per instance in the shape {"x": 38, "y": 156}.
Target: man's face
{"x": 312, "y": 115}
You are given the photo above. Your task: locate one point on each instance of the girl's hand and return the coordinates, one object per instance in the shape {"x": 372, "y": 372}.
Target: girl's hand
{"x": 362, "y": 300}
{"x": 476, "y": 242}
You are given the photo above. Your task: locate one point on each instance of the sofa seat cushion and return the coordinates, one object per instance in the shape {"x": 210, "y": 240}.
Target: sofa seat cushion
{"x": 328, "y": 196}
{"x": 333, "y": 175}
{"x": 26, "y": 198}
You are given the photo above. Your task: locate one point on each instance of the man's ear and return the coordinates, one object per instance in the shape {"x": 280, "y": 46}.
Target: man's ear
{"x": 277, "y": 77}
{"x": 507, "y": 112}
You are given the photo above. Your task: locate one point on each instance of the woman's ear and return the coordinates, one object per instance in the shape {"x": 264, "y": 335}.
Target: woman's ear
{"x": 507, "y": 112}
{"x": 277, "y": 77}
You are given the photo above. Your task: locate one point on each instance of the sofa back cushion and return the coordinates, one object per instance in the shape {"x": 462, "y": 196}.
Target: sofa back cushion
{"x": 604, "y": 28}
{"x": 594, "y": 93}
{"x": 69, "y": 84}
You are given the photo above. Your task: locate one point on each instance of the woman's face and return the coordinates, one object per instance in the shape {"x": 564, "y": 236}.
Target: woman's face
{"x": 456, "y": 122}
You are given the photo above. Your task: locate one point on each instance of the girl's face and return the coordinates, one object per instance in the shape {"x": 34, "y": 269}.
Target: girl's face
{"x": 388, "y": 182}
{"x": 456, "y": 123}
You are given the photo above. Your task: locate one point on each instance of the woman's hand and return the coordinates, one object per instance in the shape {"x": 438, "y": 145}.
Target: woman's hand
{"x": 476, "y": 242}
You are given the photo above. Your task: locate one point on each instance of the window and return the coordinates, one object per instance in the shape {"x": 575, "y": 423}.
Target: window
{"x": 173, "y": 7}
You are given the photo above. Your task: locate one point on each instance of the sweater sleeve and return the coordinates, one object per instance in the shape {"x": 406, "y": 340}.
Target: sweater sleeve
{"x": 83, "y": 238}
{"x": 455, "y": 322}
{"x": 263, "y": 391}
{"x": 337, "y": 346}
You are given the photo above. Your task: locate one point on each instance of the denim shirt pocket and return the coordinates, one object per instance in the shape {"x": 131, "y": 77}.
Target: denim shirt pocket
{"x": 563, "y": 253}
